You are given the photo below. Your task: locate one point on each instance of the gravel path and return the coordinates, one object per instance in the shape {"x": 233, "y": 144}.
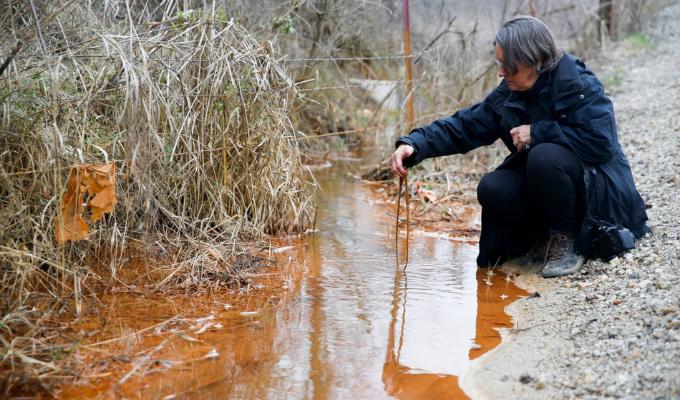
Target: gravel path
{"x": 612, "y": 330}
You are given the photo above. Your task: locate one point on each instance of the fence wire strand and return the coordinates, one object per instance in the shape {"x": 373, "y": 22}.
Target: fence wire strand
{"x": 286, "y": 60}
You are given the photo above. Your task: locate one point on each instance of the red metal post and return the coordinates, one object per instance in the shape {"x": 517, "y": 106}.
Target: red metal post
{"x": 408, "y": 61}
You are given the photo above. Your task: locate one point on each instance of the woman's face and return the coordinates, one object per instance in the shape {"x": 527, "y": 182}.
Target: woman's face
{"x": 523, "y": 80}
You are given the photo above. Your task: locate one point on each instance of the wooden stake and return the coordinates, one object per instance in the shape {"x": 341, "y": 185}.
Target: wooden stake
{"x": 408, "y": 62}
{"x": 402, "y": 182}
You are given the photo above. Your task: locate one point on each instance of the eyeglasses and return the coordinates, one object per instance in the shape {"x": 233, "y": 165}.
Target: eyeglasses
{"x": 505, "y": 68}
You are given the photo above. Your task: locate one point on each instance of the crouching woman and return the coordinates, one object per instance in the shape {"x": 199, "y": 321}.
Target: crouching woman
{"x": 555, "y": 119}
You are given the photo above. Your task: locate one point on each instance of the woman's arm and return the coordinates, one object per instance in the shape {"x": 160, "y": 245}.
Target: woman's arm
{"x": 466, "y": 130}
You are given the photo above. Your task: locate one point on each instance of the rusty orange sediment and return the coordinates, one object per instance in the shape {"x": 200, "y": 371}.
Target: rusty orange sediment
{"x": 333, "y": 317}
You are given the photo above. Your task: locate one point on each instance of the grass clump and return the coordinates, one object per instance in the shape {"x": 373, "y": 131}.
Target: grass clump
{"x": 614, "y": 78}
{"x": 640, "y": 41}
{"x": 193, "y": 111}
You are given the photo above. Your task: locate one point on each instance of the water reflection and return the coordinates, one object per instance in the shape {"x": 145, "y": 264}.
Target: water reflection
{"x": 357, "y": 328}
{"x": 404, "y": 382}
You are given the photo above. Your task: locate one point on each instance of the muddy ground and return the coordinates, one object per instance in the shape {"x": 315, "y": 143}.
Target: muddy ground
{"x": 612, "y": 330}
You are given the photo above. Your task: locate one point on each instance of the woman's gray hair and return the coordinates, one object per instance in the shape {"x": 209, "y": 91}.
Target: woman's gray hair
{"x": 527, "y": 40}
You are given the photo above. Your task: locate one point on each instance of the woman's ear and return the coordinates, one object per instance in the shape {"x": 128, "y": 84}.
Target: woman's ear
{"x": 538, "y": 66}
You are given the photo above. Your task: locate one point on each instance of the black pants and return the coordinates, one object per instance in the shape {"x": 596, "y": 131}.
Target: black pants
{"x": 519, "y": 205}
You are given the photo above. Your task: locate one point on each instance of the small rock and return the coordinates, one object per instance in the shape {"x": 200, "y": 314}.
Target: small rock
{"x": 615, "y": 261}
{"x": 542, "y": 382}
{"x": 668, "y": 310}
{"x": 584, "y": 285}
{"x": 634, "y": 276}
{"x": 632, "y": 285}
{"x": 673, "y": 324}
{"x": 568, "y": 285}
{"x": 644, "y": 283}
{"x": 534, "y": 295}
{"x": 591, "y": 297}
{"x": 616, "y": 302}
{"x": 610, "y": 391}
{"x": 588, "y": 378}
{"x": 663, "y": 285}
{"x": 504, "y": 378}
{"x": 525, "y": 378}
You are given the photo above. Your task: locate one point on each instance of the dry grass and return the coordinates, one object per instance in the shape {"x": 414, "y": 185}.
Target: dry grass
{"x": 195, "y": 114}
{"x": 202, "y": 123}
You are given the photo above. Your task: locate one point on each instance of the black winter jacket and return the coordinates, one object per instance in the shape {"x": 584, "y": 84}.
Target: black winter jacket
{"x": 582, "y": 120}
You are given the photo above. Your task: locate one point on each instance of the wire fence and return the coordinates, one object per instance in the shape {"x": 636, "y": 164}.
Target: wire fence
{"x": 66, "y": 57}
{"x": 429, "y": 78}
{"x": 49, "y": 101}
{"x": 171, "y": 156}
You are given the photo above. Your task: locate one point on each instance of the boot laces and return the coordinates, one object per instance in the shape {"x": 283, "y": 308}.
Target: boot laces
{"x": 557, "y": 246}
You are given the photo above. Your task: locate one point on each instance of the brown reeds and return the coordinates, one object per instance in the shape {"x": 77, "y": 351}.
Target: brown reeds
{"x": 194, "y": 114}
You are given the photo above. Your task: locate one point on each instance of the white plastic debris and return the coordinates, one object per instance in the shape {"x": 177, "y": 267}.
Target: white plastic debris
{"x": 212, "y": 354}
{"x": 247, "y": 313}
{"x": 282, "y": 249}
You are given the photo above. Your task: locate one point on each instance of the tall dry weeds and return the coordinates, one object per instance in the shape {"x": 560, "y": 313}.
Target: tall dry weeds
{"x": 193, "y": 111}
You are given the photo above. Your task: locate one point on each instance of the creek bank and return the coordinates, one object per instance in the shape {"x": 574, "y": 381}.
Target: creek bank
{"x": 612, "y": 329}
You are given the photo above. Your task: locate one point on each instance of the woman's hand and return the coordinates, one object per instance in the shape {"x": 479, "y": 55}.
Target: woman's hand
{"x": 403, "y": 151}
{"x": 521, "y": 137}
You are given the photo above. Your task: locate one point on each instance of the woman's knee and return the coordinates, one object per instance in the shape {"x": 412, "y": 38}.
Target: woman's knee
{"x": 487, "y": 190}
{"x": 499, "y": 187}
{"x": 544, "y": 155}
{"x": 546, "y": 161}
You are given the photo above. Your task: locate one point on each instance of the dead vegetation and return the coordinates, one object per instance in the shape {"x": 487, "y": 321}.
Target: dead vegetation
{"x": 191, "y": 113}
{"x": 202, "y": 123}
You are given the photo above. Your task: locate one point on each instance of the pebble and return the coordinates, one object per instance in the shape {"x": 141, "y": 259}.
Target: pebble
{"x": 668, "y": 310}
{"x": 644, "y": 283}
{"x": 525, "y": 378}
{"x": 542, "y": 382}
{"x": 663, "y": 285}
{"x": 616, "y": 302}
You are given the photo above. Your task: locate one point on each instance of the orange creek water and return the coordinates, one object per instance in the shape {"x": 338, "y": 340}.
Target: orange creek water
{"x": 354, "y": 326}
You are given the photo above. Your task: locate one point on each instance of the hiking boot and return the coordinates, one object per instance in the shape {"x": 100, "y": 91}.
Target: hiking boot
{"x": 561, "y": 258}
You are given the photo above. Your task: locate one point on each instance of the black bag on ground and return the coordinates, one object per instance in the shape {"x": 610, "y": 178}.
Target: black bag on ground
{"x": 609, "y": 240}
